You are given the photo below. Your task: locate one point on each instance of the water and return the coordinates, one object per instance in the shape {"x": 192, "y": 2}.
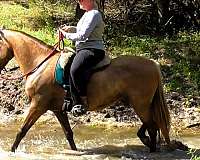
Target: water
{"x": 46, "y": 140}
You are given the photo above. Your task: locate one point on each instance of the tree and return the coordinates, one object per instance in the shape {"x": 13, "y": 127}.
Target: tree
{"x": 163, "y": 11}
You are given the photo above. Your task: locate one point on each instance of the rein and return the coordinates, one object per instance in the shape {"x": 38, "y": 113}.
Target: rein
{"x": 59, "y": 44}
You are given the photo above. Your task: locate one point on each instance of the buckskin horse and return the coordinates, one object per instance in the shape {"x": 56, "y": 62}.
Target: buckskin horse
{"x": 135, "y": 80}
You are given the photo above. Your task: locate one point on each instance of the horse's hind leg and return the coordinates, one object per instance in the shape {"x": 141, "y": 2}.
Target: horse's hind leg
{"x": 152, "y": 131}
{"x": 149, "y": 141}
{"x": 141, "y": 134}
{"x": 143, "y": 110}
{"x": 31, "y": 118}
{"x": 63, "y": 119}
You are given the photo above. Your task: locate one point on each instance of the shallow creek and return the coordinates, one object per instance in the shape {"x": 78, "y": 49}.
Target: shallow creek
{"x": 46, "y": 140}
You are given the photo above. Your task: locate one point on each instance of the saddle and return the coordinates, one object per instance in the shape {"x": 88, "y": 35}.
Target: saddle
{"x": 62, "y": 70}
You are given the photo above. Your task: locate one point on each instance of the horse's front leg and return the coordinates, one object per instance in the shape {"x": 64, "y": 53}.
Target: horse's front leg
{"x": 63, "y": 119}
{"x": 31, "y": 118}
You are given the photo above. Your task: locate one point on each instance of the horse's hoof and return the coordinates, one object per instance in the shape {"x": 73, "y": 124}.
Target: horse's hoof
{"x": 152, "y": 149}
{"x": 78, "y": 110}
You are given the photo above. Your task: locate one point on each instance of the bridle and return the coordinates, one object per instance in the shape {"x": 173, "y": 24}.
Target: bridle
{"x": 59, "y": 45}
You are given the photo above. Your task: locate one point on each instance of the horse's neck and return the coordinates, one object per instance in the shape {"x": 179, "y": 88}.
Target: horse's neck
{"x": 28, "y": 52}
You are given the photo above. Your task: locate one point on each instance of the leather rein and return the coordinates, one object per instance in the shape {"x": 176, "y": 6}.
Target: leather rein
{"x": 59, "y": 44}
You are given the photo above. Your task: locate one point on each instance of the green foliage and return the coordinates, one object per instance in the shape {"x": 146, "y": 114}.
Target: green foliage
{"x": 192, "y": 152}
{"x": 33, "y": 20}
{"x": 45, "y": 35}
{"x": 53, "y": 8}
{"x": 186, "y": 73}
{"x": 18, "y": 17}
{"x": 10, "y": 16}
{"x": 56, "y": 12}
{"x": 174, "y": 54}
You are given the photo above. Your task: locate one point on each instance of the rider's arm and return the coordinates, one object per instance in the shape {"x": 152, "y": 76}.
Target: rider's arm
{"x": 83, "y": 31}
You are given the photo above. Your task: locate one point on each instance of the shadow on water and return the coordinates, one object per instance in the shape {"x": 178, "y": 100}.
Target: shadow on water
{"x": 133, "y": 152}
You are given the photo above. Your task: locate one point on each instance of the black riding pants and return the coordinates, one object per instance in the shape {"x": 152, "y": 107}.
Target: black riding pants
{"x": 80, "y": 71}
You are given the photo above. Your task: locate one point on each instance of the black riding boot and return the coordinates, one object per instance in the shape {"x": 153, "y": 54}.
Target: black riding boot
{"x": 79, "y": 106}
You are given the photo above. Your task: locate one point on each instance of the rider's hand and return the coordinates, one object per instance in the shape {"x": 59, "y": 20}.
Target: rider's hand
{"x": 66, "y": 28}
{"x": 69, "y": 29}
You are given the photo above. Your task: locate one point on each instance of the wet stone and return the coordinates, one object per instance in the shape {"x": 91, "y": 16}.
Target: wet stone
{"x": 10, "y": 107}
{"x": 19, "y": 112}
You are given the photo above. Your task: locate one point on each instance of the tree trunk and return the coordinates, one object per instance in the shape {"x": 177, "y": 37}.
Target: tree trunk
{"x": 163, "y": 11}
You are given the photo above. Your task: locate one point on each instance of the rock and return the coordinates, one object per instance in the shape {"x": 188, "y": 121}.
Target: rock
{"x": 121, "y": 108}
{"x": 19, "y": 112}
{"x": 107, "y": 115}
{"x": 88, "y": 120}
{"x": 175, "y": 96}
{"x": 10, "y": 107}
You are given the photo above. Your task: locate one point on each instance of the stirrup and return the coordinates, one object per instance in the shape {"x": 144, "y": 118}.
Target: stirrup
{"x": 66, "y": 88}
{"x": 78, "y": 110}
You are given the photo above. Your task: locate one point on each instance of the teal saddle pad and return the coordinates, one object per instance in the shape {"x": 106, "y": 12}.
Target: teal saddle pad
{"x": 60, "y": 77}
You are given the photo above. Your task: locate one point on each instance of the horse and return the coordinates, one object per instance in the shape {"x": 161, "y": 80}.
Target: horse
{"x": 131, "y": 79}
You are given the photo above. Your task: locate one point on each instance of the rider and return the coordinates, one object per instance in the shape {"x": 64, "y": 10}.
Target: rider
{"x": 89, "y": 50}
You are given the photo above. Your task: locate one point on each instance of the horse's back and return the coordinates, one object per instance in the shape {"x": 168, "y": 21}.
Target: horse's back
{"x": 140, "y": 75}
{"x": 134, "y": 62}
{"x": 131, "y": 66}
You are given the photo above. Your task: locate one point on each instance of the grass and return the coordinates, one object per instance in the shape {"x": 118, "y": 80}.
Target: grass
{"x": 27, "y": 20}
{"x": 9, "y": 16}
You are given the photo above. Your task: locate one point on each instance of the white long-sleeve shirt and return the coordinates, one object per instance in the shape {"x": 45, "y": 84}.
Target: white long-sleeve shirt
{"x": 89, "y": 31}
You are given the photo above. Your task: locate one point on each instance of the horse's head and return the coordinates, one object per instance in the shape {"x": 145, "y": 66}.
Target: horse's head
{"x": 6, "y": 52}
